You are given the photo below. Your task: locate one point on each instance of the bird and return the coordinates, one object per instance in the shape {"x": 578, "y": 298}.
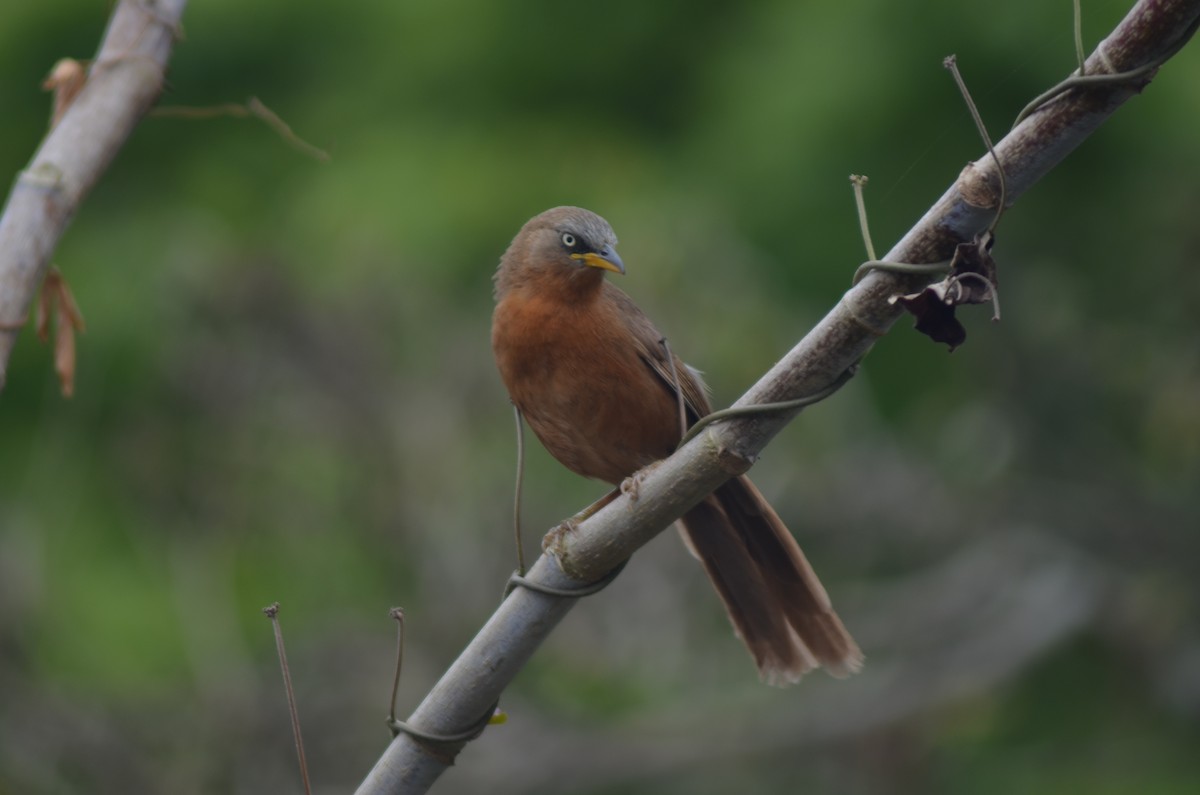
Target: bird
{"x": 590, "y": 374}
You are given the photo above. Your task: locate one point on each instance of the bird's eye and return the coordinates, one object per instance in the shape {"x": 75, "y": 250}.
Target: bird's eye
{"x": 568, "y": 240}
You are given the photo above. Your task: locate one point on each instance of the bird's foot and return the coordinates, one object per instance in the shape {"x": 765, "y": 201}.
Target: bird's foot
{"x": 632, "y": 485}
{"x": 567, "y": 526}
{"x": 557, "y": 533}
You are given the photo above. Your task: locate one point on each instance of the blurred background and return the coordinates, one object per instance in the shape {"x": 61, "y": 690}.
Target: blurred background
{"x": 286, "y": 392}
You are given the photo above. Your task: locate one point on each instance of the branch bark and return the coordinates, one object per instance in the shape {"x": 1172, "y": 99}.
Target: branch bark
{"x": 124, "y": 80}
{"x": 1153, "y": 29}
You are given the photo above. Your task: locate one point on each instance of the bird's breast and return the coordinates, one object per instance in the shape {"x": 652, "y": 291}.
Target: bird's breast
{"x": 577, "y": 376}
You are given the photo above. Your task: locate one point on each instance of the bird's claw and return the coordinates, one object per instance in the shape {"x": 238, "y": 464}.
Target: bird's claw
{"x": 632, "y": 485}
{"x": 557, "y": 533}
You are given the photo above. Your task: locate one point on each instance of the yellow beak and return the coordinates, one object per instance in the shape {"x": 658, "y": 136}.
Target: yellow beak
{"x": 605, "y": 259}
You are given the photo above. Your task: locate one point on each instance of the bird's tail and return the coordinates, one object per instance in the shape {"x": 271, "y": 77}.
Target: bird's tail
{"x": 776, "y": 603}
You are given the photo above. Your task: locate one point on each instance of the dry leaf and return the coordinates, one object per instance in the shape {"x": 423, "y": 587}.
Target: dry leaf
{"x": 972, "y": 280}
{"x": 66, "y": 80}
{"x": 57, "y": 302}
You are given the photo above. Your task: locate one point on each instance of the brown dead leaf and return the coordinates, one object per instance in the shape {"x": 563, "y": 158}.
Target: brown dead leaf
{"x": 972, "y": 280}
{"x": 57, "y": 304}
{"x": 66, "y": 80}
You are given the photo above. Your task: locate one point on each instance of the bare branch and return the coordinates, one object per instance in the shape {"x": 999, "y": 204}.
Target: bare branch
{"x": 122, "y": 83}
{"x": 1153, "y": 29}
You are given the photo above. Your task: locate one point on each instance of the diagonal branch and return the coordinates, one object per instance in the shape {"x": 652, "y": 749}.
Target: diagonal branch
{"x": 1152, "y": 30}
{"x": 123, "y": 82}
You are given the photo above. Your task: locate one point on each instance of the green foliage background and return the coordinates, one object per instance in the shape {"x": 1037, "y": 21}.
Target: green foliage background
{"x": 285, "y": 390}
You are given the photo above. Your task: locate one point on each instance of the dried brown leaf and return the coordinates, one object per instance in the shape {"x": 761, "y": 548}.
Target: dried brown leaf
{"x": 972, "y": 280}
{"x": 64, "y": 357}
{"x": 66, "y": 80}
{"x": 57, "y": 302}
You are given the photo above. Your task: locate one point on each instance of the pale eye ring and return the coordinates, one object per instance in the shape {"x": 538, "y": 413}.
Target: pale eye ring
{"x": 568, "y": 240}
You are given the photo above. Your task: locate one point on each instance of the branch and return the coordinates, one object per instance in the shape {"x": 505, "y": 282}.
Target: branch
{"x": 123, "y": 82}
{"x": 1152, "y": 30}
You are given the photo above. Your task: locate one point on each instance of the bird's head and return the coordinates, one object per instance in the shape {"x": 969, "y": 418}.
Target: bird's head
{"x": 566, "y": 243}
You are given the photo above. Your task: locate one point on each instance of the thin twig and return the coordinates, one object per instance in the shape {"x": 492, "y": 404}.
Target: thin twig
{"x": 909, "y": 268}
{"x": 517, "y": 489}
{"x": 253, "y": 107}
{"x": 951, "y": 63}
{"x": 1079, "y": 54}
{"x": 397, "y": 613}
{"x": 777, "y": 407}
{"x": 272, "y": 612}
{"x": 859, "y": 182}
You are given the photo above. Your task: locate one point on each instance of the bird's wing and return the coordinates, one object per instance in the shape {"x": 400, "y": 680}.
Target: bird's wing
{"x": 653, "y": 352}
